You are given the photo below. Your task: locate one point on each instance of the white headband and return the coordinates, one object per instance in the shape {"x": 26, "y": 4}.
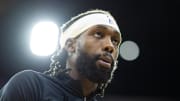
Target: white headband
{"x": 86, "y": 22}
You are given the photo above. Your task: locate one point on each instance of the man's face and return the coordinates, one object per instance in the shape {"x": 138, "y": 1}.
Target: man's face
{"x": 97, "y": 50}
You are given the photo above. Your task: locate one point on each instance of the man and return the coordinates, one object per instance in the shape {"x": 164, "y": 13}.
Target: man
{"x": 81, "y": 68}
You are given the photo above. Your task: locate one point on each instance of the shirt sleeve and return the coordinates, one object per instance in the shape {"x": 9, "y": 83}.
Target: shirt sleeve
{"x": 21, "y": 87}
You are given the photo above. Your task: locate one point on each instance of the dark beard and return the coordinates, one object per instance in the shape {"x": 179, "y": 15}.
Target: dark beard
{"x": 86, "y": 65}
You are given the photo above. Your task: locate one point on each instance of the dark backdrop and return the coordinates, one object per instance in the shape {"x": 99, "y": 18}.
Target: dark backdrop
{"x": 142, "y": 21}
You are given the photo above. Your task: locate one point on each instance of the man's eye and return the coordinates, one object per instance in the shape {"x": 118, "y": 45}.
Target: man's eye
{"x": 115, "y": 42}
{"x": 98, "y": 35}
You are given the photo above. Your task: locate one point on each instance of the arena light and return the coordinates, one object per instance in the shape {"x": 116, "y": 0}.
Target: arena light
{"x": 129, "y": 50}
{"x": 44, "y": 37}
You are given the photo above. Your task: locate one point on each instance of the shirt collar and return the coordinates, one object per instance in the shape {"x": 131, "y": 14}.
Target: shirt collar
{"x": 72, "y": 86}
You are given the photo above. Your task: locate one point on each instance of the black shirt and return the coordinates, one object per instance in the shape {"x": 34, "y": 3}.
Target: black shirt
{"x": 30, "y": 85}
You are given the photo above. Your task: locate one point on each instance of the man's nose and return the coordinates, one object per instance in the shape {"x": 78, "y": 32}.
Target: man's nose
{"x": 108, "y": 46}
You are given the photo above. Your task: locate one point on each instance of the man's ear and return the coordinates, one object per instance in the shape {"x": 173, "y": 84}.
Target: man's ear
{"x": 70, "y": 45}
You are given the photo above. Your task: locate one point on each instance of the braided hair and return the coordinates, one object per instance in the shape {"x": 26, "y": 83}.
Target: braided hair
{"x": 59, "y": 58}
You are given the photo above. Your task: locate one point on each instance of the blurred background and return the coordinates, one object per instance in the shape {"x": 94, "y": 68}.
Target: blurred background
{"x": 146, "y": 78}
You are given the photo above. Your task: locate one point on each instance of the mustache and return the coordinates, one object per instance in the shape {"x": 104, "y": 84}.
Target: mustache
{"x": 104, "y": 54}
{"x": 96, "y": 57}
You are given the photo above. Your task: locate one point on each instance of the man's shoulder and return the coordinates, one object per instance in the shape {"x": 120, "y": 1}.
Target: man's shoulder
{"x": 26, "y": 74}
{"x": 22, "y": 84}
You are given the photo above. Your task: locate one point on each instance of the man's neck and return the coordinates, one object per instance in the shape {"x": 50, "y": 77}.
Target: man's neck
{"x": 87, "y": 86}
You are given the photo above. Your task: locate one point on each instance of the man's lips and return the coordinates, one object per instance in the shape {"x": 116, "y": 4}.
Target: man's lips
{"x": 105, "y": 62}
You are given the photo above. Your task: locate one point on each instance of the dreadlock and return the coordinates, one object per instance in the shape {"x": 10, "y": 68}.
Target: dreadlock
{"x": 59, "y": 58}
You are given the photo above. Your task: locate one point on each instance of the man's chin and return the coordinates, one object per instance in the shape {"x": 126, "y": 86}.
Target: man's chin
{"x": 99, "y": 81}
{"x": 99, "y": 78}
